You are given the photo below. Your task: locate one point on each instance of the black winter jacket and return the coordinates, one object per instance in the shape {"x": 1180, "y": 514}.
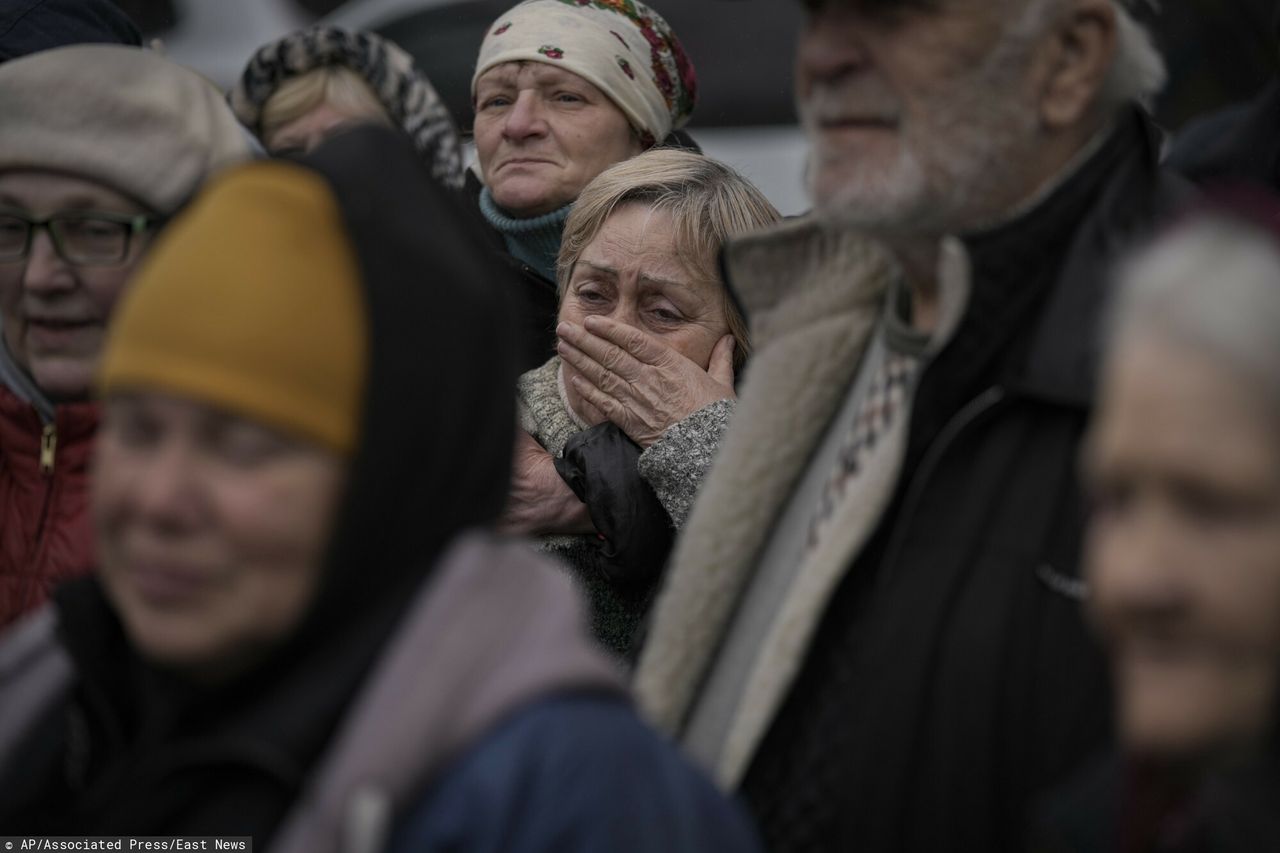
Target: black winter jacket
{"x": 535, "y": 304}
{"x": 952, "y": 677}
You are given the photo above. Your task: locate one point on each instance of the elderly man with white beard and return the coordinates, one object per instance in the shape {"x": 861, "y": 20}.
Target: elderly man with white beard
{"x": 872, "y": 624}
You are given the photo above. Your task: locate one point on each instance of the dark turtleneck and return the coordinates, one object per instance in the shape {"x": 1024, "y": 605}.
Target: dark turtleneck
{"x": 533, "y": 240}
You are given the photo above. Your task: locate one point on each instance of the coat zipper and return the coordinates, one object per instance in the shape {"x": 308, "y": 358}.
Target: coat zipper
{"x": 48, "y": 455}
{"x": 974, "y": 410}
{"x": 48, "y": 448}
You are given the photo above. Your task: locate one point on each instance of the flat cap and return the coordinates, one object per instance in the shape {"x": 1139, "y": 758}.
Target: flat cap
{"x": 122, "y": 116}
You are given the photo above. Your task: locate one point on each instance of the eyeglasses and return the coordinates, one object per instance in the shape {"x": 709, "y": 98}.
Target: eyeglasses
{"x": 80, "y": 238}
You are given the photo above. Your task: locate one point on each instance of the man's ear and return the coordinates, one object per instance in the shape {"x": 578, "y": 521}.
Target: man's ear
{"x": 1076, "y": 61}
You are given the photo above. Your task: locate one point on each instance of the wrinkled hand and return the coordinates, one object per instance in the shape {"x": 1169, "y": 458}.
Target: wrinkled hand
{"x": 638, "y": 382}
{"x": 540, "y": 501}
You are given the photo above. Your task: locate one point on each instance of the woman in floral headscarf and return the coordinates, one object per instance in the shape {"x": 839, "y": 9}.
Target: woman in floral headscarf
{"x": 564, "y": 89}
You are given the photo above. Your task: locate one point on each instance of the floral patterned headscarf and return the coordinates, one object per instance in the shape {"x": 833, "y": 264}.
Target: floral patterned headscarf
{"x": 622, "y": 47}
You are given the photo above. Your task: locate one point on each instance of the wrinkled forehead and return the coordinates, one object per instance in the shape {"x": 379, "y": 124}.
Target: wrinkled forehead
{"x": 528, "y": 73}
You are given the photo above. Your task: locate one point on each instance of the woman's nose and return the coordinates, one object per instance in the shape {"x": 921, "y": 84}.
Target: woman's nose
{"x": 1136, "y": 566}
{"x": 627, "y": 313}
{"x": 163, "y": 487}
{"x": 525, "y": 118}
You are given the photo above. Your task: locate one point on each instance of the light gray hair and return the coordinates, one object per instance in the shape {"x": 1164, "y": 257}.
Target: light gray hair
{"x": 1138, "y": 72}
{"x": 1214, "y": 284}
{"x": 708, "y": 203}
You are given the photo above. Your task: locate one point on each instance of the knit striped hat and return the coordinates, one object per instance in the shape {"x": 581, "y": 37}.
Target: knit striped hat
{"x": 274, "y": 331}
{"x": 402, "y": 89}
{"x": 622, "y": 47}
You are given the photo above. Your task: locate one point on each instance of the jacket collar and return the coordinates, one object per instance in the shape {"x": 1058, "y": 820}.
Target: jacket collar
{"x": 802, "y": 272}
{"x": 21, "y": 427}
{"x": 16, "y": 380}
{"x": 1117, "y": 196}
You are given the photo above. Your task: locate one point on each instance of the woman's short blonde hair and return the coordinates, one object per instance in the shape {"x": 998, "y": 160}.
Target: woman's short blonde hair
{"x": 335, "y": 85}
{"x": 708, "y": 203}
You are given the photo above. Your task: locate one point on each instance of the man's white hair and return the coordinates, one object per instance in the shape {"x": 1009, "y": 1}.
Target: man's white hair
{"x": 1138, "y": 72}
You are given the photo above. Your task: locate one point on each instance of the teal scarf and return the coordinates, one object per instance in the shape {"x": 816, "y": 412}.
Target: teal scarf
{"x": 535, "y": 241}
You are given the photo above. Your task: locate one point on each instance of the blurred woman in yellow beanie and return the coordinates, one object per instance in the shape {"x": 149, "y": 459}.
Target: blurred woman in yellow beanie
{"x": 302, "y": 630}
{"x": 98, "y": 145}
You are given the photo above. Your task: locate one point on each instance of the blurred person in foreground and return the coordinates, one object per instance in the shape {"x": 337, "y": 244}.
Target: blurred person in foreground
{"x": 30, "y": 26}
{"x": 871, "y": 627}
{"x": 302, "y": 630}
{"x": 562, "y": 91}
{"x": 99, "y": 145}
{"x": 298, "y": 90}
{"x": 639, "y": 269}
{"x": 1183, "y": 466}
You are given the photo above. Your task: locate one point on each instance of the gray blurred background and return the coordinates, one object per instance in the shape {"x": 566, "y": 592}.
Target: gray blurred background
{"x": 1219, "y": 51}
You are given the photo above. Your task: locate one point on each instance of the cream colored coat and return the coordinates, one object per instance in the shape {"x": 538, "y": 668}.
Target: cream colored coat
{"x": 813, "y": 297}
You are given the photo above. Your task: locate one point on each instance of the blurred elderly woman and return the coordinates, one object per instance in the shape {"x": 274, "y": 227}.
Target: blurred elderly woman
{"x": 1183, "y": 567}
{"x": 99, "y": 144}
{"x": 563, "y": 90}
{"x": 295, "y": 635}
{"x": 633, "y": 406}
{"x": 297, "y": 91}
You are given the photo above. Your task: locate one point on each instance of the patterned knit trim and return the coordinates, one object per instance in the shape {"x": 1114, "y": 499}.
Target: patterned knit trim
{"x": 546, "y": 414}
{"x": 405, "y": 92}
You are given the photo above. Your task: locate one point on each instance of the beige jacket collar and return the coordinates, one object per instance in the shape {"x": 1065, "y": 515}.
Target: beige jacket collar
{"x": 813, "y": 296}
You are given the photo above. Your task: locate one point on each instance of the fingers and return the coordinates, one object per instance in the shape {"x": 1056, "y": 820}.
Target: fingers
{"x": 589, "y": 413}
{"x": 639, "y": 345}
{"x": 599, "y": 375}
{"x": 602, "y": 402}
{"x": 605, "y": 353}
{"x": 721, "y": 366}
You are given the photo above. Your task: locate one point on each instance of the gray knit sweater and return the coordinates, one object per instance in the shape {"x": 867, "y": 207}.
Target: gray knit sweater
{"x": 674, "y": 466}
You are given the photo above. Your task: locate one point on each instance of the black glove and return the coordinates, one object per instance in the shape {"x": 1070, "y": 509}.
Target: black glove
{"x": 601, "y": 466}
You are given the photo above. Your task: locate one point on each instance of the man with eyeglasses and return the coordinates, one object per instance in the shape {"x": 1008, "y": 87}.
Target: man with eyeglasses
{"x": 99, "y": 145}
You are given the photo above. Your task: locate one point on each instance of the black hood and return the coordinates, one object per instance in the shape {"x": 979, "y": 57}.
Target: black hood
{"x": 433, "y": 459}
{"x": 439, "y": 416}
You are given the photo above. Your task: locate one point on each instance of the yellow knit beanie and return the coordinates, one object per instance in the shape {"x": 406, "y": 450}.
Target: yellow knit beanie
{"x": 252, "y": 301}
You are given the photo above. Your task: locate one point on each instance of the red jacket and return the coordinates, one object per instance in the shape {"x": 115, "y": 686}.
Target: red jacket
{"x": 45, "y": 535}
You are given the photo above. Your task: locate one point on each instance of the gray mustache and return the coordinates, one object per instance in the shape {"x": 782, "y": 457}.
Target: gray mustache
{"x": 826, "y": 104}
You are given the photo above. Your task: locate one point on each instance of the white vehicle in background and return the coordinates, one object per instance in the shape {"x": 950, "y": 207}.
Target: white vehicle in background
{"x": 742, "y": 50}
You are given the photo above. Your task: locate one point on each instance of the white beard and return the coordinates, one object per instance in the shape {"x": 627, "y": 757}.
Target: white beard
{"x": 955, "y": 160}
